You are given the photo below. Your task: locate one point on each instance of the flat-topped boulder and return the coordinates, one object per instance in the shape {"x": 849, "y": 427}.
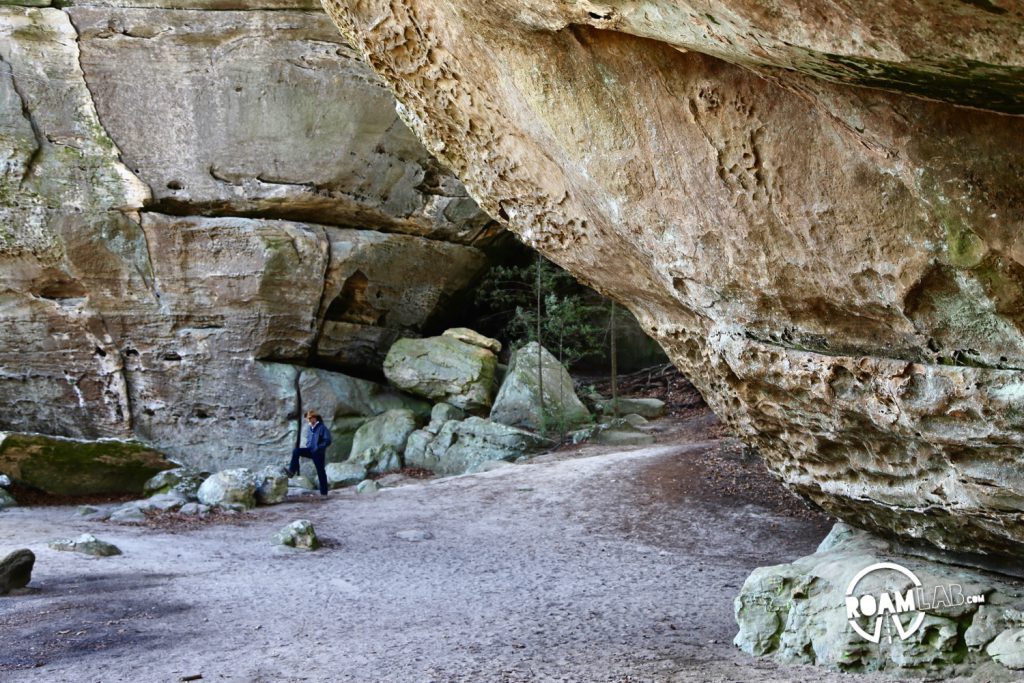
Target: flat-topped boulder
{"x": 70, "y": 467}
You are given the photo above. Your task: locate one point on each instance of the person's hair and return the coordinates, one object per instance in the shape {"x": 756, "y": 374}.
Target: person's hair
{"x": 315, "y": 415}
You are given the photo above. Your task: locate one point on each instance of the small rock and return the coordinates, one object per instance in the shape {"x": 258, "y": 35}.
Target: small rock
{"x": 16, "y": 570}
{"x": 367, "y": 486}
{"x": 390, "y": 481}
{"x": 621, "y": 437}
{"x": 86, "y": 544}
{"x": 298, "y": 534}
{"x": 649, "y": 408}
{"x": 195, "y": 509}
{"x": 182, "y": 480}
{"x": 164, "y": 502}
{"x": 129, "y": 512}
{"x": 5, "y": 481}
{"x": 6, "y": 500}
{"x": 634, "y": 420}
{"x": 414, "y": 535}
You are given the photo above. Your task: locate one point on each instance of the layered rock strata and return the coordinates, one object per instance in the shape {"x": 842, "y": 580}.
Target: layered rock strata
{"x": 187, "y": 216}
{"x": 816, "y": 208}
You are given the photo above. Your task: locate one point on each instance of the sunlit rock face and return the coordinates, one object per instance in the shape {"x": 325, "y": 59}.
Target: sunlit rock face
{"x": 187, "y": 217}
{"x": 816, "y": 208}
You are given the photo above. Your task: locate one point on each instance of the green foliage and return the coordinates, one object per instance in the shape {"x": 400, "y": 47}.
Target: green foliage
{"x": 572, "y": 316}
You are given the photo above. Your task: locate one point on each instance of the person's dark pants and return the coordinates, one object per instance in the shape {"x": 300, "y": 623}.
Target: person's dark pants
{"x": 318, "y": 462}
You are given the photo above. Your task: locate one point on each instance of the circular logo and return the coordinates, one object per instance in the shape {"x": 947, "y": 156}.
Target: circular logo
{"x": 882, "y": 606}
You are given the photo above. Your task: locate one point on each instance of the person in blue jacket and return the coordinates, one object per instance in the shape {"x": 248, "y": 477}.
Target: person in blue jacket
{"x": 318, "y": 438}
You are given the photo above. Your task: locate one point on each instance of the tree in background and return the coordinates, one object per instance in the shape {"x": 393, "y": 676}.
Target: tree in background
{"x": 541, "y": 302}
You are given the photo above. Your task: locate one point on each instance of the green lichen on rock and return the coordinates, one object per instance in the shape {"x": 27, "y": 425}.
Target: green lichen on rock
{"x": 71, "y": 467}
{"x": 964, "y": 248}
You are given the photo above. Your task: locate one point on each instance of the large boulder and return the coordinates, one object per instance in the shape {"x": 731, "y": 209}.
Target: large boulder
{"x": 466, "y": 445}
{"x": 229, "y": 488}
{"x": 801, "y": 612}
{"x": 341, "y": 474}
{"x": 70, "y": 467}
{"x": 16, "y": 570}
{"x": 347, "y": 403}
{"x": 271, "y": 486}
{"x": 379, "y": 444}
{"x": 837, "y": 269}
{"x": 444, "y": 369}
{"x": 519, "y": 402}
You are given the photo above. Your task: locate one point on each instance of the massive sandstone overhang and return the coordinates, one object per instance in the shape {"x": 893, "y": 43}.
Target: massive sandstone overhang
{"x": 840, "y": 269}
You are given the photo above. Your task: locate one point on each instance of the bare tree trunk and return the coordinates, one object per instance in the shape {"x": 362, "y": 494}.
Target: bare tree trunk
{"x": 615, "y": 365}
{"x": 540, "y": 358}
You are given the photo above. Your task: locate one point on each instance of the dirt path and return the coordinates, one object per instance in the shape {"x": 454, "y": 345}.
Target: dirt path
{"x": 584, "y": 567}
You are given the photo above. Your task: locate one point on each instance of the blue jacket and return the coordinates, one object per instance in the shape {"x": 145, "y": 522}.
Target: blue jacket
{"x": 318, "y": 437}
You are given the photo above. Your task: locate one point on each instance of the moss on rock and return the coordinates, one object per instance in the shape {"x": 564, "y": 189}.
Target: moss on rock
{"x": 69, "y": 467}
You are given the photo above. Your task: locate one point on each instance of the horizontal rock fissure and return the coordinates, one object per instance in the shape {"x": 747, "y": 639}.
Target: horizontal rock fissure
{"x": 197, "y": 210}
{"x": 895, "y": 359}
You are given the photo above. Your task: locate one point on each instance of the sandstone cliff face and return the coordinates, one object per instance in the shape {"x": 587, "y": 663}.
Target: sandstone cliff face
{"x": 840, "y": 269}
{"x": 186, "y": 214}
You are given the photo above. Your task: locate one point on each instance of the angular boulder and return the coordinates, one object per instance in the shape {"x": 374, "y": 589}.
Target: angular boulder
{"x": 70, "y": 467}
{"x": 799, "y": 612}
{"x": 464, "y": 446}
{"x": 271, "y": 486}
{"x": 441, "y": 413}
{"x": 229, "y": 488}
{"x": 444, "y": 369}
{"x": 379, "y": 444}
{"x": 519, "y": 403}
{"x": 341, "y": 474}
{"x": 16, "y": 570}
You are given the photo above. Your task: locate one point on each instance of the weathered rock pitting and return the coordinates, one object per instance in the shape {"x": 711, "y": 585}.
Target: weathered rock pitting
{"x": 840, "y": 270}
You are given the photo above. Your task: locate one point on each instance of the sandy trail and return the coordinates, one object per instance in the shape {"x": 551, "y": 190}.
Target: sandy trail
{"x": 615, "y": 566}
